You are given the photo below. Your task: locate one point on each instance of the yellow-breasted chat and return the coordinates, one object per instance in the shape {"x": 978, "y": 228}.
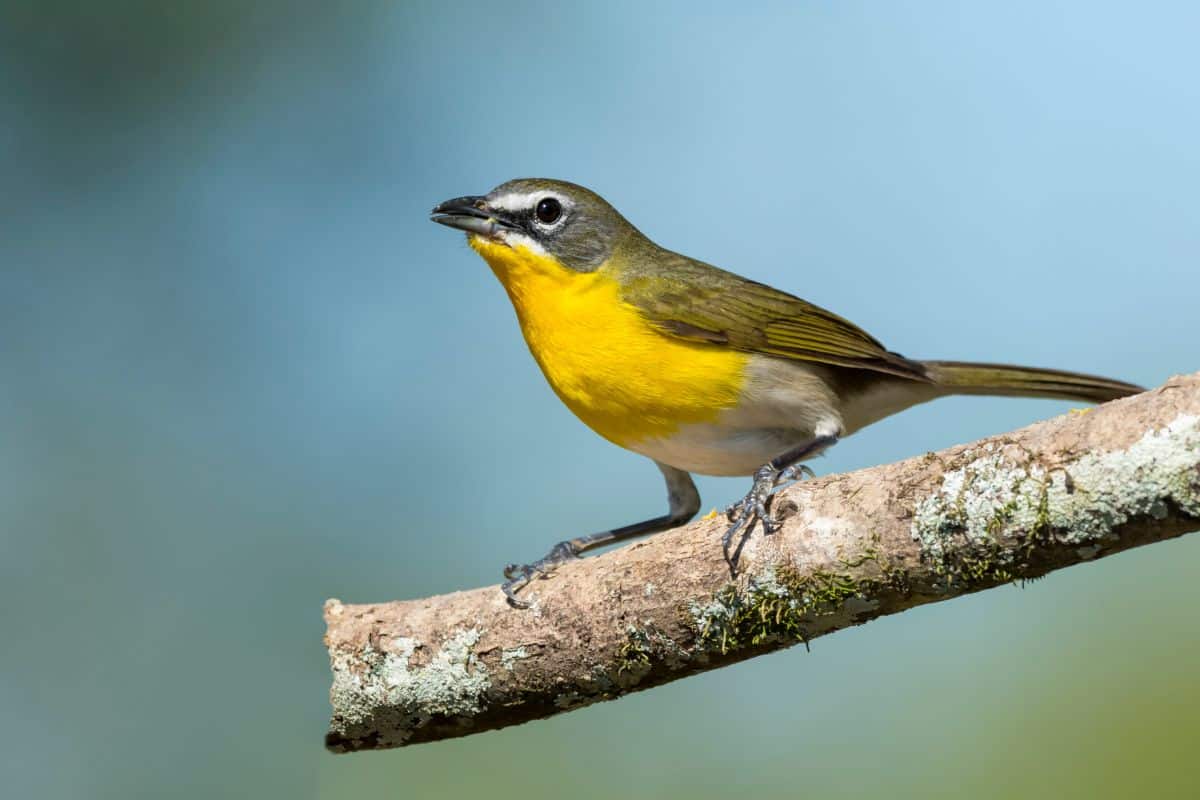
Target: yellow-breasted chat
{"x": 695, "y": 367}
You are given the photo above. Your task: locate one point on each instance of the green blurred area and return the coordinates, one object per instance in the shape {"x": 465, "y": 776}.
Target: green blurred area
{"x": 238, "y": 365}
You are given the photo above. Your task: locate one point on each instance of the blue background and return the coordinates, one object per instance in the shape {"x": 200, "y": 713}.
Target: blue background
{"x": 237, "y": 364}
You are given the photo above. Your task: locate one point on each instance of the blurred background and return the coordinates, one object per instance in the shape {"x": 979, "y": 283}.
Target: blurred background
{"x": 237, "y": 361}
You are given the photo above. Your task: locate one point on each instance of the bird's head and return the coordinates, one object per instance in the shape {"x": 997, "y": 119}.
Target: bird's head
{"x": 572, "y": 225}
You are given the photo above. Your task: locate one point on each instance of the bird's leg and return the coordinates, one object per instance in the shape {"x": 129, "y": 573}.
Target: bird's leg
{"x": 782, "y": 469}
{"x": 684, "y": 502}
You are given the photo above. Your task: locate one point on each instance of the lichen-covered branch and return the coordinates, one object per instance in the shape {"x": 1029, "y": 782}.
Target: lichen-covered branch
{"x": 852, "y": 547}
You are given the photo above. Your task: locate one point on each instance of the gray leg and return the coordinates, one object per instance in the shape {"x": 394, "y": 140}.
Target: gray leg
{"x": 684, "y": 502}
{"x": 752, "y": 508}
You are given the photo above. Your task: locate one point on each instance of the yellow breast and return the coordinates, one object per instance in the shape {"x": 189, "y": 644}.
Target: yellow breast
{"x": 623, "y": 378}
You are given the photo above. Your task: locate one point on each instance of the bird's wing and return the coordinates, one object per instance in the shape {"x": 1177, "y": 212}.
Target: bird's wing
{"x": 699, "y": 302}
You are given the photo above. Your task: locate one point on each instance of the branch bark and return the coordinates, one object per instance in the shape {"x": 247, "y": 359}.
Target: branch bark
{"x": 851, "y": 548}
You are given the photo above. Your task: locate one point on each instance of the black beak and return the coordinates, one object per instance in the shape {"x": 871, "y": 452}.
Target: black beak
{"x": 470, "y": 214}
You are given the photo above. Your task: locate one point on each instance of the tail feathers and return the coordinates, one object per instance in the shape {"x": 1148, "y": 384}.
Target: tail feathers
{"x": 1003, "y": 379}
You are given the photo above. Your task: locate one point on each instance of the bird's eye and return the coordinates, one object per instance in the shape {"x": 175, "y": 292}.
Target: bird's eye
{"x": 548, "y": 210}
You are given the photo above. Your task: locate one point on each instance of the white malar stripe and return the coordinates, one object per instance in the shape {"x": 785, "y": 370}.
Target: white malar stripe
{"x": 515, "y": 239}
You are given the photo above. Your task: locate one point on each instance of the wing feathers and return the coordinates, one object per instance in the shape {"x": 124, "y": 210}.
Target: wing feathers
{"x": 724, "y": 309}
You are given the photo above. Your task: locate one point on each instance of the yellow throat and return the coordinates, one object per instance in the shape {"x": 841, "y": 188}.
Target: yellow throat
{"x": 623, "y": 378}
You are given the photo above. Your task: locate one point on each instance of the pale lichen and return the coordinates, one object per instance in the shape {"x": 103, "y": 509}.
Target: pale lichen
{"x": 646, "y": 645}
{"x": 634, "y": 656}
{"x": 381, "y": 693}
{"x": 987, "y": 516}
{"x": 510, "y": 656}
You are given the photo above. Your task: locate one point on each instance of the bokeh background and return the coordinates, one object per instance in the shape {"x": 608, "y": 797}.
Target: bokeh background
{"x": 237, "y": 363}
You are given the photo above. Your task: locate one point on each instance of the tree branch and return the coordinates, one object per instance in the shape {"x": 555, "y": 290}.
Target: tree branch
{"x": 851, "y": 548}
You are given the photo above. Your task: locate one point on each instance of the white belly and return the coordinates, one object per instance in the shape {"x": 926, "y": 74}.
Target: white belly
{"x": 720, "y": 450}
{"x": 784, "y": 405}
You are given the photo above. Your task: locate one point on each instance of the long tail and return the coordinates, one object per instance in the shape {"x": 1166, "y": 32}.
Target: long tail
{"x": 1003, "y": 379}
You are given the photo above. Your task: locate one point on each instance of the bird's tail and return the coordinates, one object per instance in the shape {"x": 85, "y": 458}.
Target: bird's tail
{"x": 1003, "y": 379}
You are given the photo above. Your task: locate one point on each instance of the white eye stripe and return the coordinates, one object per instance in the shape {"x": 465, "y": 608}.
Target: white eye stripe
{"x": 514, "y": 201}
{"x": 524, "y": 201}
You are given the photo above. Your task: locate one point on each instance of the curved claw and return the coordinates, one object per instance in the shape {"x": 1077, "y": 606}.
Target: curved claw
{"x": 511, "y": 586}
{"x": 765, "y": 519}
{"x": 732, "y": 529}
{"x": 796, "y": 472}
{"x": 753, "y": 508}
{"x": 519, "y": 575}
{"x": 749, "y": 510}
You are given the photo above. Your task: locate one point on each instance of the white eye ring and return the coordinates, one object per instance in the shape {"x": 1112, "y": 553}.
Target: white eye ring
{"x": 548, "y": 211}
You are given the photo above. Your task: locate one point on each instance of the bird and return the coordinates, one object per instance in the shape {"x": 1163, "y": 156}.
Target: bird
{"x": 697, "y": 368}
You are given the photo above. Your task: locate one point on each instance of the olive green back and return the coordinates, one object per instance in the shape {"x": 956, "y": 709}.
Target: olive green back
{"x": 699, "y": 302}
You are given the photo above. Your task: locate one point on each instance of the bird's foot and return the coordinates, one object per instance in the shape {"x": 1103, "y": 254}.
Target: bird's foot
{"x": 519, "y": 575}
{"x": 755, "y": 506}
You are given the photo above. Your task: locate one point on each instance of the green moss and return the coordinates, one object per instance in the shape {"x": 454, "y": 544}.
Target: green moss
{"x": 644, "y": 647}
{"x": 783, "y": 605}
{"x": 634, "y": 655}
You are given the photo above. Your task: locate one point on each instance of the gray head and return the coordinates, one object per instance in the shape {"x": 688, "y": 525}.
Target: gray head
{"x": 573, "y": 224}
